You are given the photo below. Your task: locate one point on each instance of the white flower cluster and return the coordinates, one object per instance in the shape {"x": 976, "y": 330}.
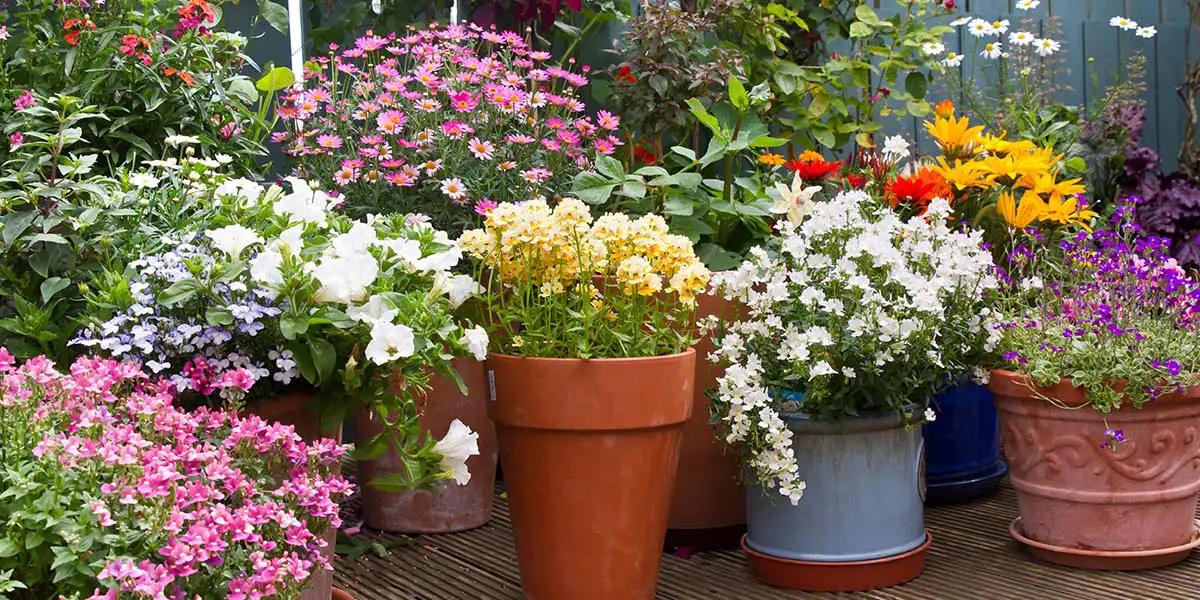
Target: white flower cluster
{"x": 855, "y": 300}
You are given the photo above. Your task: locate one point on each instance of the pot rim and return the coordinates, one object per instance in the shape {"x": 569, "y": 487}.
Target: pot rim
{"x": 610, "y": 361}
{"x": 1189, "y": 393}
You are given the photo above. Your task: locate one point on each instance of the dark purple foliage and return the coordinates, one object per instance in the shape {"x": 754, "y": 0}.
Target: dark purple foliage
{"x": 1171, "y": 207}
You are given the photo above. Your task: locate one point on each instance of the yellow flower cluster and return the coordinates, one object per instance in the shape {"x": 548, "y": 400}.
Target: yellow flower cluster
{"x": 561, "y": 248}
{"x": 976, "y": 163}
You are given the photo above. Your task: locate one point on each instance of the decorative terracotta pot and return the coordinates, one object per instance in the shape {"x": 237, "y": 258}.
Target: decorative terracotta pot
{"x": 1083, "y": 504}
{"x": 589, "y": 449}
{"x": 292, "y": 409}
{"x": 860, "y": 524}
{"x": 454, "y": 507}
{"x": 708, "y": 508}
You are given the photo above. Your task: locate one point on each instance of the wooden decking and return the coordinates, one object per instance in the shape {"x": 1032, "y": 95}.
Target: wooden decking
{"x": 972, "y": 558}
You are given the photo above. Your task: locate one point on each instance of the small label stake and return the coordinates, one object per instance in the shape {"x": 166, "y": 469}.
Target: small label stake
{"x": 492, "y": 384}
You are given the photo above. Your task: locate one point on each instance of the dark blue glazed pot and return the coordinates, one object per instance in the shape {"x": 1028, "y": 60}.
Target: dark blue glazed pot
{"x": 962, "y": 446}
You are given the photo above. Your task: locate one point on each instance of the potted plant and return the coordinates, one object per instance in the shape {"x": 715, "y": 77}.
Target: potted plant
{"x": 1097, "y": 392}
{"x": 119, "y": 491}
{"x": 591, "y": 383}
{"x": 855, "y": 317}
{"x": 323, "y": 312}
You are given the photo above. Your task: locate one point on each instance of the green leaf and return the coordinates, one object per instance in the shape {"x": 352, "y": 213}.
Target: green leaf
{"x": 324, "y": 357}
{"x": 690, "y": 227}
{"x": 859, "y": 29}
{"x": 49, "y": 238}
{"x": 292, "y": 326}
{"x": 274, "y": 14}
{"x": 218, "y": 316}
{"x": 303, "y": 359}
{"x": 916, "y": 85}
{"x": 8, "y": 548}
{"x": 633, "y": 188}
{"x": 571, "y": 31}
{"x": 685, "y": 152}
{"x": 917, "y": 108}
{"x": 610, "y": 166}
{"x": 737, "y": 94}
{"x": 276, "y": 79}
{"x": 766, "y": 141}
{"x": 15, "y": 224}
{"x": 703, "y": 115}
{"x": 1076, "y": 164}
{"x": 865, "y": 14}
{"x": 244, "y": 89}
{"x": 592, "y": 187}
{"x": 678, "y": 206}
{"x": 717, "y": 258}
{"x": 52, "y": 286}
{"x": 658, "y": 83}
{"x": 824, "y": 137}
{"x": 819, "y": 105}
{"x": 392, "y": 482}
{"x": 179, "y": 292}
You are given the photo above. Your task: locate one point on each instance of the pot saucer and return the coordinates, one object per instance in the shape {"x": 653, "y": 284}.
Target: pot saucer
{"x": 1107, "y": 560}
{"x": 812, "y": 576}
{"x": 956, "y": 492}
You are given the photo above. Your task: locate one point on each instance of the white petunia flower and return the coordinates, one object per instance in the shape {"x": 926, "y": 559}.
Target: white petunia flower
{"x": 233, "y": 239}
{"x": 345, "y": 279}
{"x": 376, "y": 310}
{"x": 264, "y": 267}
{"x": 476, "y": 341}
{"x": 1123, "y": 23}
{"x": 304, "y": 204}
{"x": 1046, "y": 47}
{"x": 456, "y": 447}
{"x": 390, "y": 342}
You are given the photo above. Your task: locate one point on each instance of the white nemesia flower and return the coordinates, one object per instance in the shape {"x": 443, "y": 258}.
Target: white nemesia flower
{"x": 1046, "y": 47}
{"x": 1028, "y": 4}
{"x": 932, "y": 48}
{"x": 1021, "y": 38}
{"x": 992, "y": 50}
{"x": 821, "y": 368}
{"x": 930, "y": 416}
{"x": 143, "y": 180}
{"x": 458, "y": 445}
{"x": 390, "y": 342}
{"x": 1123, "y": 23}
{"x": 233, "y": 239}
{"x": 476, "y": 341}
{"x": 1147, "y": 32}
{"x": 896, "y": 147}
{"x": 953, "y": 59}
{"x": 344, "y": 279}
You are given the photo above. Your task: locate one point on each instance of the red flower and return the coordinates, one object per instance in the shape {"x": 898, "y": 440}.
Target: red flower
{"x": 917, "y": 190}
{"x": 644, "y": 155}
{"x": 813, "y": 170}
{"x": 73, "y": 27}
{"x": 623, "y": 74}
{"x": 855, "y": 181}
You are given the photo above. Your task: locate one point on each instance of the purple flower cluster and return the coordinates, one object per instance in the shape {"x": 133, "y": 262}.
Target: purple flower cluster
{"x": 166, "y": 339}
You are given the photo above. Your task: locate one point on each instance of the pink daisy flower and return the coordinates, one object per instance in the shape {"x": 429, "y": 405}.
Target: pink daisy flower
{"x": 481, "y": 149}
{"x": 608, "y": 120}
{"x": 391, "y": 121}
{"x": 332, "y": 142}
{"x": 454, "y": 189}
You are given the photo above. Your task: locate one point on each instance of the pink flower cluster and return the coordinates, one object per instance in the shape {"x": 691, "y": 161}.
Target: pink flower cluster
{"x": 201, "y": 504}
{"x": 456, "y": 114}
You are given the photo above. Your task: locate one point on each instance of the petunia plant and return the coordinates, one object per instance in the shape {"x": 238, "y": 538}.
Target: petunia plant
{"x": 360, "y": 313}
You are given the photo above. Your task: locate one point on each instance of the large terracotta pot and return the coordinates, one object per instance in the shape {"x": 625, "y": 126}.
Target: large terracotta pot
{"x": 1082, "y": 504}
{"x": 454, "y": 507}
{"x": 292, "y": 409}
{"x": 708, "y": 510}
{"x": 589, "y": 449}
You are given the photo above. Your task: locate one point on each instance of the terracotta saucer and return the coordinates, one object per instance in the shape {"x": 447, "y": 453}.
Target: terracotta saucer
{"x": 1107, "y": 560}
{"x": 812, "y": 576}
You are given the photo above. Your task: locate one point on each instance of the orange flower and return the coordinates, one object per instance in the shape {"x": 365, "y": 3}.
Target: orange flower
{"x": 186, "y": 78}
{"x": 73, "y": 27}
{"x": 918, "y": 190}
{"x": 944, "y": 109}
{"x": 169, "y": 72}
{"x": 771, "y": 159}
{"x": 811, "y": 156}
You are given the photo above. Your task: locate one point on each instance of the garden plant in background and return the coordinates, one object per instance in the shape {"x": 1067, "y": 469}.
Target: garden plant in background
{"x": 120, "y": 491}
{"x": 301, "y": 298}
{"x": 444, "y": 121}
{"x": 151, "y": 69}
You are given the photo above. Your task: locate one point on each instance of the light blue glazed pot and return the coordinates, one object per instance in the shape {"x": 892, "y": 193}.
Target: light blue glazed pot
{"x": 864, "y": 496}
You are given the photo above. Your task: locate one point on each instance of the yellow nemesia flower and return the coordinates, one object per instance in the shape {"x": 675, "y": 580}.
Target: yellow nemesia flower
{"x": 955, "y": 136}
{"x": 1031, "y": 209}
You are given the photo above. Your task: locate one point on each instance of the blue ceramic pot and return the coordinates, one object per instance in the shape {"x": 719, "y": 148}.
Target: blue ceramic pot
{"x": 863, "y": 500}
{"x": 962, "y": 446}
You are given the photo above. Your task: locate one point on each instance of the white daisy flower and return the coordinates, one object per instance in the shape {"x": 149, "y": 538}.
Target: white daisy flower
{"x": 1028, "y": 4}
{"x": 1021, "y": 38}
{"x": 1046, "y": 47}
{"x": 979, "y": 27}
{"x": 1123, "y": 23}
{"x": 992, "y": 50}
{"x": 960, "y": 21}
{"x": 953, "y": 59}
{"x": 1000, "y": 27}
{"x": 1147, "y": 32}
{"x": 932, "y": 48}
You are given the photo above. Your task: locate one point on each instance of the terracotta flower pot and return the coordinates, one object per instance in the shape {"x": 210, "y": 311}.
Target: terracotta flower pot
{"x": 454, "y": 507}
{"x": 341, "y": 595}
{"x": 708, "y": 508}
{"x": 1083, "y": 504}
{"x": 589, "y": 449}
{"x": 292, "y": 409}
